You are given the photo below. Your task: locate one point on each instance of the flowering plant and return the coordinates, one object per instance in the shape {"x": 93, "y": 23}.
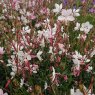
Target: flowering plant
{"x": 47, "y": 47}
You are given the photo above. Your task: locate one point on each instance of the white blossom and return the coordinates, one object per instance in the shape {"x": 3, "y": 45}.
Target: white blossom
{"x": 77, "y": 63}
{"x": 89, "y": 69}
{"x": 86, "y": 27}
{"x": 66, "y": 15}
{"x": 53, "y": 74}
{"x": 58, "y": 8}
{"x": 42, "y": 43}
{"x": 24, "y": 20}
{"x": 39, "y": 55}
{"x": 54, "y": 29}
{"x": 92, "y": 53}
{"x": 12, "y": 74}
{"x": 26, "y": 29}
{"x": 22, "y": 82}
{"x": 77, "y": 26}
{"x": 22, "y": 11}
{"x": 77, "y": 92}
{"x": 22, "y": 56}
{"x": 76, "y": 60}
{"x": 62, "y": 29}
{"x": 61, "y": 47}
{"x": 45, "y": 86}
{"x": 76, "y": 12}
{"x": 77, "y": 55}
{"x": 2, "y": 93}
{"x": 50, "y": 50}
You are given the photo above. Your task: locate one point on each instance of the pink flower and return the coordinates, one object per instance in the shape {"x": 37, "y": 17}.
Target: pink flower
{"x": 1, "y": 92}
{"x": 1, "y": 50}
{"x": 61, "y": 47}
{"x": 15, "y": 4}
{"x": 45, "y": 10}
{"x": 76, "y": 72}
{"x": 65, "y": 77}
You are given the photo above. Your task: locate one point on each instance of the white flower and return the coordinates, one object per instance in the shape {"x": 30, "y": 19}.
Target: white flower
{"x": 87, "y": 60}
{"x": 26, "y": 29}
{"x": 60, "y": 52}
{"x": 37, "y": 25}
{"x": 47, "y": 33}
{"x": 72, "y": 91}
{"x": 45, "y": 86}
{"x": 20, "y": 53}
{"x": 27, "y": 56}
{"x": 39, "y": 55}
{"x": 2, "y": 93}
{"x": 50, "y": 50}
{"x": 4, "y": 10}
{"x": 92, "y": 53}
{"x": 13, "y": 30}
{"x": 77, "y": 55}
{"x": 47, "y": 20}
{"x": 53, "y": 74}
{"x": 54, "y": 29}
{"x": 58, "y": 8}
{"x": 22, "y": 82}
{"x": 62, "y": 29}
{"x": 77, "y": 63}
{"x": 42, "y": 43}
{"x": 24, "y": 19}
{"x": 22, "y": 11}
{"x": 86, "y": 27}
{"x": 61, "y": 47}
{"x": 14, "y": 68}
{"x": 22, "y": 56}
{"x": 12, "y": 74}
{"x": 76, "y": 12}
{"x": 76, "y": 60}
{"x": 77, "y": 92}
{"x": 40, "y": 33}
{"x": 66, "y": 15}
{"x": 89, "y": 69}
{"x": 28, "y": 14}
{"x": 77, "y": 26}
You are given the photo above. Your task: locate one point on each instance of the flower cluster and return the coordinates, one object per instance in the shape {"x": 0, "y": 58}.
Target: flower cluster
{"x": 44, "y": 48}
